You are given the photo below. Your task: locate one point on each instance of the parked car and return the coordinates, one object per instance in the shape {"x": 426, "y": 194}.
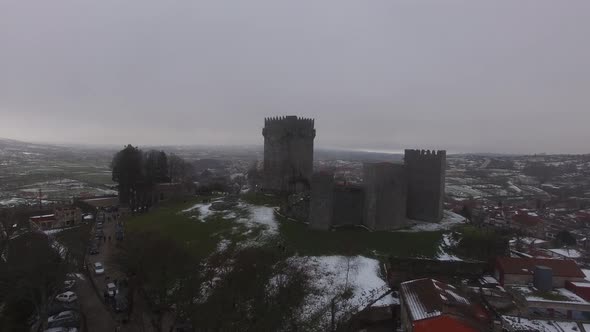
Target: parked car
{"x": 112, "y": 289}
{"x": 67, "y": 297}
{"x": 62, "y": 329}
{"x": 93, "y": 250}
{"x": 56, "y": 307}
{"x": 69, "y": 284}
{"x": 98, "y": 268}
{"x": 68, "y": 318}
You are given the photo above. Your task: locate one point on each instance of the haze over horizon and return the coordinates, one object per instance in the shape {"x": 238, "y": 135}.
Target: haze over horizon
{"x": 499, "y": 77}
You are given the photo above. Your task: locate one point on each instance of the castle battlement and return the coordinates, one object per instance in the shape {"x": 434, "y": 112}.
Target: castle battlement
{"x": 289, "y": 120}
{"x": 434, "y": 155}
{"x": 282, "y": 125}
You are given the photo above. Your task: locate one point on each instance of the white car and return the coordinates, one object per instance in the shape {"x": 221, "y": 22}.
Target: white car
{"x": 67, "y": 297}
{"x": 112, "y": 289}
{"x": 98, "y": 268}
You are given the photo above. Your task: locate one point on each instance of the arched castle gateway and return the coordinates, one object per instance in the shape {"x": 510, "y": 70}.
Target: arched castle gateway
{"x": 390, "y": 193}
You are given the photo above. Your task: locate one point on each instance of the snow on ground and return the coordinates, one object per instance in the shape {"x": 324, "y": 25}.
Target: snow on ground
{"x": 523, "y": 324}
{"x": 223, "y": 245}
{"x": 261, "y": 215}
{"x": 513, "y": 187}
{"x": 328, "y": 275}
{"x": 587, "y": 273}
{"x": 566, "y": 295}
{"x": 568, "y": 253}
{"x": 450, "y": 219}
{"x": 446, "y": 244}
{"x": 463, "y": 191}
{"x": 204, "y": 210}
{"x": 13, "y": 201}
{"x": 255, "y": 216}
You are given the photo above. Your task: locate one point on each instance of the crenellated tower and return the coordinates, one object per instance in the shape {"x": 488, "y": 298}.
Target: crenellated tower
{"x": 288, "y": 153}
{"x": 426, "y": 184}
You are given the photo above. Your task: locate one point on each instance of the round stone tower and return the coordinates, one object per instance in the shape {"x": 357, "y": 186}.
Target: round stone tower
{"x": 288, "y": 153}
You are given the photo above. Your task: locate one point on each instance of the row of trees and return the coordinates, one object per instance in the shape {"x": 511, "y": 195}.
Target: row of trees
{"x": 248, "y": 289}
{"x": 31, "y": 274}
{"x": 137, "y": 172}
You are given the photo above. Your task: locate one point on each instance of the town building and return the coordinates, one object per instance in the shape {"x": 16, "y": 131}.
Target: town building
{"x": 521, "y": 270}
{"x": 60, "y": 218}
{"x": 431, "y": 305}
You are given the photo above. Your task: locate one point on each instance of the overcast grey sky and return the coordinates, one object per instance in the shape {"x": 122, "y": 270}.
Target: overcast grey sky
{"x": 471, "y": 76}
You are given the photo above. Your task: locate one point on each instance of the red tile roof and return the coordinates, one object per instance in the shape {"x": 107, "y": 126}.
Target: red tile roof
{"x": 425, "y": 298}
{"x": 526, "y": 219}
{"x": 429, "y": 298}
{"x": 526, "y": 266}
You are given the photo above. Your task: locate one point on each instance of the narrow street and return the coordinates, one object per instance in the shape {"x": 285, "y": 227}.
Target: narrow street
{"x": 98, "y": 318}
{"x": 101, "y": 317}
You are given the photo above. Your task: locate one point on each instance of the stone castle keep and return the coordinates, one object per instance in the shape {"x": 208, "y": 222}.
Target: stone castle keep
{"x": 288, "y": 153}
{"x": 389, "y": 195}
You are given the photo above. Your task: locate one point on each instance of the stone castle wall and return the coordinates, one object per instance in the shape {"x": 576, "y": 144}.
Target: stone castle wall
{"x": 385, "y": 196}
{"x": 348, "y": 206}
{"x": 322, "y": 201}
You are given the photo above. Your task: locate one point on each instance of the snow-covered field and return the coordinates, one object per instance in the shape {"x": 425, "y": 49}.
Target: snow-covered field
{"x": 252, "y": 216}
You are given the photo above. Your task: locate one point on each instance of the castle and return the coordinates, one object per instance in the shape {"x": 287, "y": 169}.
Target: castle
{"x": 389, "y": 195}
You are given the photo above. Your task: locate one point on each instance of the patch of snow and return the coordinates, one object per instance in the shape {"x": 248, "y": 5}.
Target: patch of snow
{"x": 513, "y": 187}
{"x": 231, "y": 215}
{"x": 262, "y": 215}
{"x": 329, "y": 276}
{"x": 13, "y": 201}
{"x": 568, "y": 253}
{"x": 522, "y": 324}
{"x": 223, "y": 245}
{"x": 450, "y": 219}
{"x": 447, "y": 243}
{"x": 204, "y": 210}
